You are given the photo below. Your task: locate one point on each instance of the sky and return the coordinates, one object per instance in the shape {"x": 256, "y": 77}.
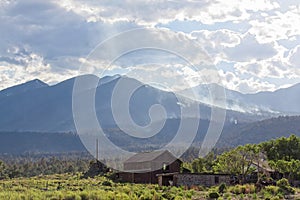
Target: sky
{"x": 252, "y": 45}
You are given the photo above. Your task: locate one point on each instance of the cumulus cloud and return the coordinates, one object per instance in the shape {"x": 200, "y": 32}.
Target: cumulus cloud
{"x": 57, "y": 36}
{"x": 217, "y": 40}
{"x": 153, "y": 12}
{"x": 245, "y": 85}
{"x": 249, "y": 49}
{"x": 154, "y": 40}
{"x": 277, "y": 25}
{"x": 52, "y": 31}
{"x": 51, "y": 39}
{"x": 28, "y": 67}
{"x": 263, "y": 69}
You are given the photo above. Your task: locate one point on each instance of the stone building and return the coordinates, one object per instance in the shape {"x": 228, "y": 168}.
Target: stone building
{"x": 192, "y": 179}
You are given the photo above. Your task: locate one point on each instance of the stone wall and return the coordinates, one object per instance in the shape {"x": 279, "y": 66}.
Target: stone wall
{"x": 200, "y": 179}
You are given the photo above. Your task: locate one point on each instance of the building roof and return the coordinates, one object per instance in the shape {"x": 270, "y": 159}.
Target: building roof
{"x": 168, "y": 174}
{"x": 195, "y": 174}
{"x": 264, "y": 165}
{"x": 147, "y": 156}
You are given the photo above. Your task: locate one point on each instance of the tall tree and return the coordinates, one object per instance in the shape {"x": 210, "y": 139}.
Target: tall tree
{"x": 3, "y": 171}
{"x": 290, "y": 169}
{"x": 204, "y": 164}
{"x": 238, "y": 161}
{"x": 283, "y": 148}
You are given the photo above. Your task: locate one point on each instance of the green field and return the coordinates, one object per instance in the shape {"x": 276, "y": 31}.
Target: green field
{"x": 69, "y": 187}
{"x": 69, "y": 177}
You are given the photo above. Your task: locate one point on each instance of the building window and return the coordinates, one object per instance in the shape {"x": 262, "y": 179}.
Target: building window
{"x": 216, "y": 180}
{"x": 165, "y": 167}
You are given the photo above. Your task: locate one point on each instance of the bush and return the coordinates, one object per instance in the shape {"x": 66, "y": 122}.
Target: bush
{"x": 251, "y": 188}
{"x": 282, "y": 183}
{"x": 242, "y": 196}
{"x": 179, "y": 198}
{"x": 72, "y": 197}
{"x": 168, "y": 195}
{"x": 272, "y": 189}
{"x": 189, "y": 194}
{"x": 106, "y": 183}
{"x": 84, "y": 196}
{"x": 213, "y": 195}
{"x": 122, "y": 196}
{"x": 147, "y": 195}
{"x": 279, "y": 195}
{"x": 254, "y": 196}
{"x": 222, "y": 188}
{"x": 267, "y": 195}
{"x": 287, "y": 190}
{"x": 201, "y": 188}
{"x": 237, "y": 189}
{"x": 227, "y": 195}
{"x": 242, "y": 189}
{"x": 284, "y": 186}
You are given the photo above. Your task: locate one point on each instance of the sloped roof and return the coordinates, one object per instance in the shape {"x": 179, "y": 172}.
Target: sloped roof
{"x": 263, "y": 164}
{"x": 147, "y": 156}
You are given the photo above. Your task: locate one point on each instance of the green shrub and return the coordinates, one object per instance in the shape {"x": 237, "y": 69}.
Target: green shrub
{"x": 189, "y": 194}
{"x": 242, "y": 196}
{"x": 280, "y": 196}
{"x": 107, "y": 183}
{"x": 122, "y": 196}
{"x": 178, "y": 198}
{"x": 227, "y": 195}
{"x": 213, "y": 195}
{"x": 222, "y": 188}
{"x": 254, "y": 196}
{"x": 84, "y": 196}
{"x": 287, "y": 190}
{"x": 282, "y": 183}
{"x": 267, "y": 195}
{"x": 236, "y": 189}
{"x": 168, "y": 195}
{"x": 251, "y": 188}
{"x": 201, "y": 188}
{"x": 72, "y": 197}
{"x": 146, "y": 195}
{"x": 272, "y": 189}
{"x": 284, "y": 186}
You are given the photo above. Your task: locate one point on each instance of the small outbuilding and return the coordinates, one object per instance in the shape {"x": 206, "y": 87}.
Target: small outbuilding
{"x": 143, "y": 167}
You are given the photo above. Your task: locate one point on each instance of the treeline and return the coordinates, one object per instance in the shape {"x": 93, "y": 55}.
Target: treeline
{"x": 28, "y": 165}
{"x": 281, "y": 155}
{"x": 20, "y": 142}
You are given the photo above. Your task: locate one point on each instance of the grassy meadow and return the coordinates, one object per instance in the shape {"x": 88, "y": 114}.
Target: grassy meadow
{"x": 68, "y": 187}
{"x": 73, "y": 187}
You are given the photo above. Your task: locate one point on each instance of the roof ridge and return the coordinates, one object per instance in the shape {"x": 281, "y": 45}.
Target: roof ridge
{"x": 151, "y": 155}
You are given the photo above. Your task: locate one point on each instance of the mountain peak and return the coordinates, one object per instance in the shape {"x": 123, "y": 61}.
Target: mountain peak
{"x": 36, "y": 82}
{"x": 24, "y": 87}
{"x": 107, "y": 79}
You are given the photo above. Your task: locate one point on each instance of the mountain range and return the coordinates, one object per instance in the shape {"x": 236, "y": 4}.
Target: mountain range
{"x": 281, "y": 102}
{"x": 35, "y": 107}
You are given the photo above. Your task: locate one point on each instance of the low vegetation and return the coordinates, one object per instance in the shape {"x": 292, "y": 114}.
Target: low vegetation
{"x": 74, "y": 178}
{"x": 74, "y": 187}
{"x": 69, "y": 187}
